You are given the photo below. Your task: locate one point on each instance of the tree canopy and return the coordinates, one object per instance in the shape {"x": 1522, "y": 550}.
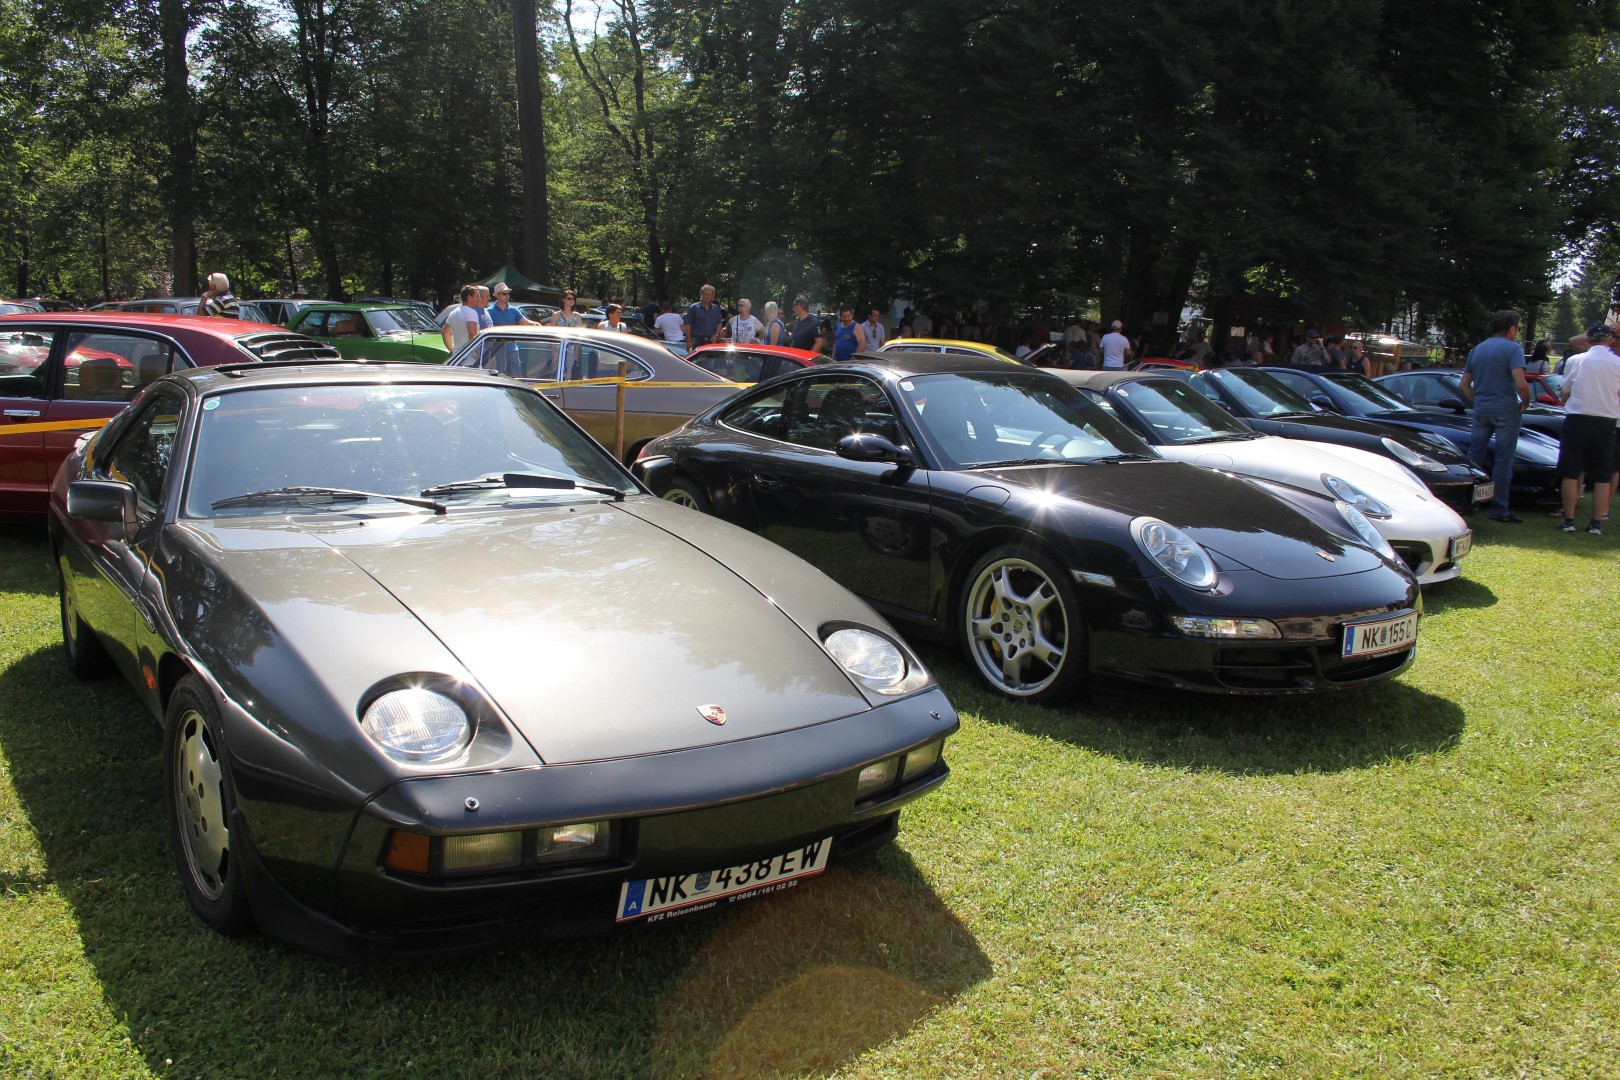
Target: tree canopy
{"x": 1354, "y": 159}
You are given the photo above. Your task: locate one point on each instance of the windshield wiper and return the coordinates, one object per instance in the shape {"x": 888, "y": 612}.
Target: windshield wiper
{"x": 1212, "y": 438}
{"x": 522, "y": 480}
{"x": 1115, "y": 459}
{"x": 303, "y": 492}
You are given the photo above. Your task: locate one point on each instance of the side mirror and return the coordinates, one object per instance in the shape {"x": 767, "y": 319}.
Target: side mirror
{"x": 1454, "y": 404}
{"x": 1548, "y": 399}
{"x": 1323, "y": 402}
{"x": 870, "y": 446}
{"x": 102, "y": 500}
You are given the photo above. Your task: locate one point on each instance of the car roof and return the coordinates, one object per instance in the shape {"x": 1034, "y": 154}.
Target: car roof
{"x": 650, "y": 351}
{"x": 899, "y": 364}
{"x": 144, "y": 320}
{"x": 302, "y": 372}
{"x": 1102, "y": 380}
{"x": 900, "y": 345}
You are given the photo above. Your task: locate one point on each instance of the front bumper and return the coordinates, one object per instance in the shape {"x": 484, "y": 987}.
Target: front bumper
{"x": 1133, "y": 644}
{"x": 684, "y": 812}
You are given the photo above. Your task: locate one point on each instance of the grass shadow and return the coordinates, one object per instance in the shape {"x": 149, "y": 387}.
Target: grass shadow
{"x": 1460, "y": 592}
{"x": 801, "y": 982}
{"x": 1329, "y": 732}
{"x": 25, "y": 560}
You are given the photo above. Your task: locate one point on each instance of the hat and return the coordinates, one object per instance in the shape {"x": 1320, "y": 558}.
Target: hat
{"x": 1312, "y": 333}
{"x": 501, "y": 286}
{"x": 1599, "y": 331}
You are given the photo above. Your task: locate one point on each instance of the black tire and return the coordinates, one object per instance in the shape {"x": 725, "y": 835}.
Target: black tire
{"x": 196, "y": 777}
{"x": 1019, "y": 623}
{"x": 688, "y": 492}
{"x": 86, "y": 657}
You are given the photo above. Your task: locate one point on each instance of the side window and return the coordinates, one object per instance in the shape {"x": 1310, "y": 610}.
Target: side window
{"x": 594, "y": 362}
{"x": 533, "y": 359}
{"x": 825, "y": 410}
{"x": 146, "y": 447}
{"x": 312, "y": 323}
{"x": 111, "y": 366}
{"x": 762, "y": 415}
{"x": 24, "y": 370}
{"x": 1207, "y": 388}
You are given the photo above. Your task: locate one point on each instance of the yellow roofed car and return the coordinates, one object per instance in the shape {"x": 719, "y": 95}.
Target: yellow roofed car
{"x": 949, "y": 346}
{"x": 575, "y": 369}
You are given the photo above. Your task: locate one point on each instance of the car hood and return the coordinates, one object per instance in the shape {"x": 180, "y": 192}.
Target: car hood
{"x": 595, "y": 631}
{"x": 1302, "y": 462}
{"x": 1242, "y": 524}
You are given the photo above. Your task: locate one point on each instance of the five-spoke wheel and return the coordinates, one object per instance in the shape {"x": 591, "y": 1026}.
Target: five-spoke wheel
{"x": 1020, "y": 625}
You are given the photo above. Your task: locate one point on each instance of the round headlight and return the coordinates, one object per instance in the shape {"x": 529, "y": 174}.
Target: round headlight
{"x": 416, "y": 725}
{"x": 1364, "y": 529}
{"x": 1345, "y": 491}
{"x": 871, "y": 658}
{"x": 1176, "y": 553}
{"x": 1408, "y": 456}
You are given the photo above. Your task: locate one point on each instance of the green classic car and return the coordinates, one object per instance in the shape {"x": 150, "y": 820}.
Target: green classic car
{"x": 373, "y": 331}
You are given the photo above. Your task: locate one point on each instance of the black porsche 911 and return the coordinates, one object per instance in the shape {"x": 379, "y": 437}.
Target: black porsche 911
{"x": 996, "y": 506}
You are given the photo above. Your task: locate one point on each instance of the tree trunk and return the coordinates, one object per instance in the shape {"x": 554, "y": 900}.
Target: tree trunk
{"x": 532, "y": 141}
{"x": 174, "y": 27}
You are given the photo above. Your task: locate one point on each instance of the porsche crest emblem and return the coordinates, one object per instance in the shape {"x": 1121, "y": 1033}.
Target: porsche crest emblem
{"x": 714, "y": 714}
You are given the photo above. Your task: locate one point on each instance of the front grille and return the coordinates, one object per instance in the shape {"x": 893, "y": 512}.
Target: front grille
{"x": 287, "y": 347}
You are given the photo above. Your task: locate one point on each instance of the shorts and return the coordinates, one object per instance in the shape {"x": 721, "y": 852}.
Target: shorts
{"x": 1589, "y": 447}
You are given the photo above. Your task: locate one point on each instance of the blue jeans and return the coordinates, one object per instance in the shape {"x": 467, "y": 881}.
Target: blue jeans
{"x": 1505, "y": 427}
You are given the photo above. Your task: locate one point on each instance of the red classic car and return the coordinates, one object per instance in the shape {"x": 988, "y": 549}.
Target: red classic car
{"x": 752, "y": 363}
{"x": 65, "y": 373}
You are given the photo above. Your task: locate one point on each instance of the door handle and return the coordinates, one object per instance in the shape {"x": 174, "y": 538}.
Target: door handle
{"x": 22, "y": 414}
{"x": 766, "y": 482}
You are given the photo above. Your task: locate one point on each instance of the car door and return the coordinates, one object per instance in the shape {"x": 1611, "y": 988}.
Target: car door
{"x": 27, "y": 373}
{"x": 865, "y": 524}
{"x": 111, "y": 589}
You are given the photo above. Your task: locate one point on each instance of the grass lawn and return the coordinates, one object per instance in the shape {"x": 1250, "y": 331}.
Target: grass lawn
{"x": 1418, "y": 879}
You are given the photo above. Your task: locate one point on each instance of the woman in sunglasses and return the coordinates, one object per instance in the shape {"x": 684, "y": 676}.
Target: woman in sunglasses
{"x": 566, "y": 315}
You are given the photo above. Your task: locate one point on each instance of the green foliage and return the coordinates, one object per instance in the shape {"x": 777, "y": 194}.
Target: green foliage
{"x": 1353, "y": 159}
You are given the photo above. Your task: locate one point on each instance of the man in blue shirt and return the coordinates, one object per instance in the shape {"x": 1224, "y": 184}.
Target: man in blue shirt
{"x": 1493, "y": 383}
{"x": 503, "y": 313}
{"x": 703, "y": 319}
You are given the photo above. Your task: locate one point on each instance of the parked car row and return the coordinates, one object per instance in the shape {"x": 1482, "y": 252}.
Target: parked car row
{"x": 384, "y": 612}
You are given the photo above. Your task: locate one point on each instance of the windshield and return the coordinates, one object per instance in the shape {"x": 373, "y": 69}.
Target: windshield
{"x": 1258, "y": 392}
{"x": 392, "y": 440}
{"x": 1364, "y": 393}
{"x": 400, "y": 320}
{"x": 984, "y": 418}
{"x": 1177, "y": 414}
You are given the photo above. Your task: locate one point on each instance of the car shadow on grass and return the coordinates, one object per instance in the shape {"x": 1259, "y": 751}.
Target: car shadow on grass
{"x": 801, "y": 982}
{"x": 1458, "y": 593}
{"x": 1348, "y": 729}
{"x": 25, "y": 560}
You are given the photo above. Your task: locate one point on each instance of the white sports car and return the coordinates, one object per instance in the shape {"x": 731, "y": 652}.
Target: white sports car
{"x": 1183, "y": 425}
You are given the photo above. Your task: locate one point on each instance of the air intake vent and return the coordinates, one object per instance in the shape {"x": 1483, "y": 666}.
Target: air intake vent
{"x": 287, "y": 347}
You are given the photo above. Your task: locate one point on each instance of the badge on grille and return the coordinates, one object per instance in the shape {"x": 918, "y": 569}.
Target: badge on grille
{"x": 714, "y": 714}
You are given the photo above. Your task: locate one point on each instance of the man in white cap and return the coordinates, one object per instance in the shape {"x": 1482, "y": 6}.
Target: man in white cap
{"x": 218, "y": 301}
{"x": 1116, "y": 347}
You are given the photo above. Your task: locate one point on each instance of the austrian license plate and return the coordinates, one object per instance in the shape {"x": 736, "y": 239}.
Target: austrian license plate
{"x": 1385, "y": 635}
{"x": 1460, "y": 546}
{"x": 1484, "y": 492}
{"x": 656, "y": 898}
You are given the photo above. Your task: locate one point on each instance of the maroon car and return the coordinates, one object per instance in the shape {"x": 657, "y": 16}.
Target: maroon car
{"x": 65, "y": 373}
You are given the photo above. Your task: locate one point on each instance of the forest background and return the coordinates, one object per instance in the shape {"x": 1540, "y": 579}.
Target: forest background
{"x": 1365, "y": 160}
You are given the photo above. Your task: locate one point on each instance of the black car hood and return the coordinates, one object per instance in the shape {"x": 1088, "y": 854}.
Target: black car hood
{"x": 1238, "y": 521}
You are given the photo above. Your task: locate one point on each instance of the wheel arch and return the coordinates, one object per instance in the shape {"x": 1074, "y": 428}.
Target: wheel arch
{"x": 974, "y": 550}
